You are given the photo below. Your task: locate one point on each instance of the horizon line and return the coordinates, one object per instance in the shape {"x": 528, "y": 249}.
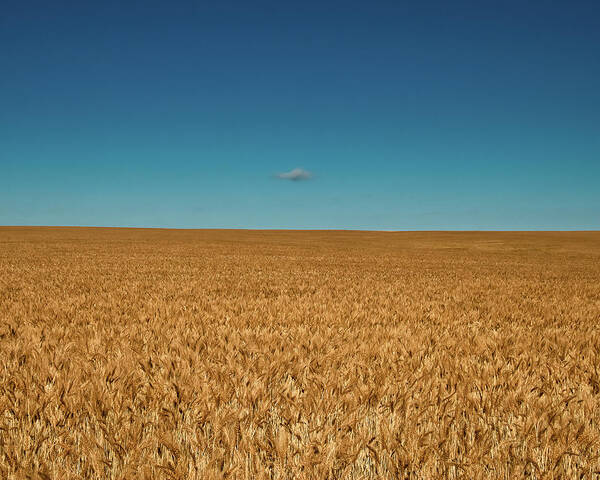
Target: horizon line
{"x": 312, "y": 229}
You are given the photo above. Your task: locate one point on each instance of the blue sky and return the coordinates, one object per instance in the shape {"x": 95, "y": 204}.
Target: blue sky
{"x": 409, "y": 115}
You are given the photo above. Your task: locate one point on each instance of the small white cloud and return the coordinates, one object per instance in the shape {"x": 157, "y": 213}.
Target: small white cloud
{"x": 295, "y": 175}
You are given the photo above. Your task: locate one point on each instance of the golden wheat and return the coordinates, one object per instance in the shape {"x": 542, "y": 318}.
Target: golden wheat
{"x": 241, "y": 354}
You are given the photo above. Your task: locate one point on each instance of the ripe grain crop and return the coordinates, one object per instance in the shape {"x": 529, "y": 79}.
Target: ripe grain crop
{"x": 206, "y": 354}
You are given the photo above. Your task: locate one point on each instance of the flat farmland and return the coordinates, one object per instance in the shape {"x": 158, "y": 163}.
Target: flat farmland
{"x": 200, "y": 354}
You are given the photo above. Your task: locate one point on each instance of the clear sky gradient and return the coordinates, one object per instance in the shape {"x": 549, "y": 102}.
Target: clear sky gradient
{"x": 409, "y": 115}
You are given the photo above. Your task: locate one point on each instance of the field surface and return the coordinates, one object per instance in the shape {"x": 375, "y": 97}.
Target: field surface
{"x": 206, "y": 354}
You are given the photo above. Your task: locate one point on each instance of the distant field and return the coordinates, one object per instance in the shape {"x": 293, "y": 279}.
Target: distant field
{"x": 202, "y": 354}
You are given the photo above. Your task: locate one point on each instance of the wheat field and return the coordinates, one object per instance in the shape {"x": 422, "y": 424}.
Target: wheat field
{"x": 201, "y": 354}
